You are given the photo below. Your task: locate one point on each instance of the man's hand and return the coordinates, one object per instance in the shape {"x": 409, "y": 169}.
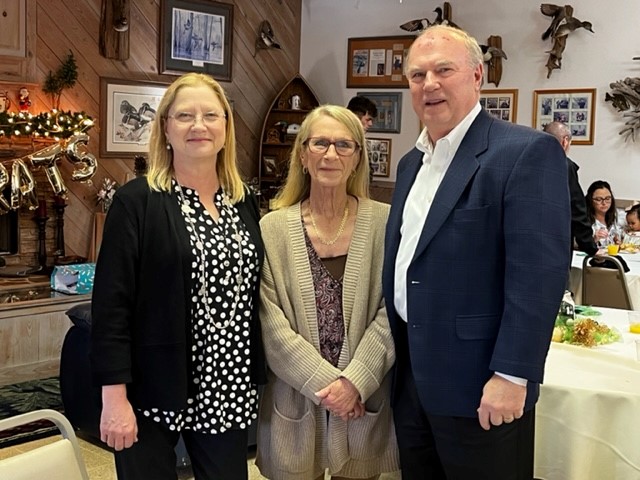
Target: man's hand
{"x": 502, "y": 402}
{"x": 118, "y": 426}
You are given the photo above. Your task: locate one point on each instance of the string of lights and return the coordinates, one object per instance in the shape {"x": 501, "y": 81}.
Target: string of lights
{"x": 56, "y": 125}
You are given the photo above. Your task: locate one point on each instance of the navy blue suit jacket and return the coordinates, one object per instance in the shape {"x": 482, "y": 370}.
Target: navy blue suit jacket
{"x": 490, "y": 268}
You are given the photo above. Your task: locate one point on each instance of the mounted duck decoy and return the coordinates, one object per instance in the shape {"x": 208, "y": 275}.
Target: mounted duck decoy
{"x": 417, "y": 25}
{"x": 266, "y": 38}
{"x": 490, "y": 53}
{"x": 559, "y": 14}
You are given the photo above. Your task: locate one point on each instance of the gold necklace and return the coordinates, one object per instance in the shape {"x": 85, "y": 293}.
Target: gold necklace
{"x": 343, "y": 222}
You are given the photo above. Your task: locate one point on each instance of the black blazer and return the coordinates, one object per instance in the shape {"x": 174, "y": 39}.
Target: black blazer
{"x": 581, "y": 229}
{"x": 141, "y": 298}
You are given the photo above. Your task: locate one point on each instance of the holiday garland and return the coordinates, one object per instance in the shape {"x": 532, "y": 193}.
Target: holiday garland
{"x": 54, "y": 124}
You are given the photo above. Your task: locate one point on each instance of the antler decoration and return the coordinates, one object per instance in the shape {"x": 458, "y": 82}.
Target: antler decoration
{"x": 625, "y": 97}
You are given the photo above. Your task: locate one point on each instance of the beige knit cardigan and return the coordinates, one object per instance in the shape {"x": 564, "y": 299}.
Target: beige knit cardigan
{"x": 296, "y": 438}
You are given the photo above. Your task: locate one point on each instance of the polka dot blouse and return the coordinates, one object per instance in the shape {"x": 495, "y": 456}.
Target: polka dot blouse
{"x": 225, "y": 397}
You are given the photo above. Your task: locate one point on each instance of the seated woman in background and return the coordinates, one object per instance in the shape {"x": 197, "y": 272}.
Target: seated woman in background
{"x": 601, "y": 210}
{"x": 632, "y": 233}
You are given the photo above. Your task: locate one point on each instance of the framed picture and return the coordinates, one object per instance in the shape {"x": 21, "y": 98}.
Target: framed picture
{"x": 502, "y": 104}
{"x": 377, "y": 62}
{"x": 575, "y": 107}
{"x": 379, "y": 150}
{"x": 389, "y": 107}
{"x": 196, "y": 36}
{"x": 127, "y": 110}
{"x": 270, "y": 164}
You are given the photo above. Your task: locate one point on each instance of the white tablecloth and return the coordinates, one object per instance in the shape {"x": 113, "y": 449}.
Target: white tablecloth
{"x": 588, "y": 416}
{"x": 633, "y": 277}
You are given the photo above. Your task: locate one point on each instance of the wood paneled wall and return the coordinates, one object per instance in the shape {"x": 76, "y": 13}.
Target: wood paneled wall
{"x": 73, "y": 25}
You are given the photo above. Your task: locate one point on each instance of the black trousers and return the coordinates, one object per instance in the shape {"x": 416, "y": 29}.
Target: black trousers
{"x": 436, "y": 447}
{"x": 213, "y": 457}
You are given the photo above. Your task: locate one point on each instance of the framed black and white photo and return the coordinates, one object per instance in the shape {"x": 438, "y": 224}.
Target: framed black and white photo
{"x": 270, "y": 164}
{"x": 379, "y": 151}
{"x": 502, "y": 104}
{"x": 196, "y": 36}
{"x": 389, "y": 107}
{"x": 575, "y": 107}
{"x": 127, "y": 111}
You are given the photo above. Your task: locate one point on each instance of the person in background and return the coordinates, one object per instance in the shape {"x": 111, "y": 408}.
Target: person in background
{"x": 326, "y": 333}
{"x": 632, "y": 233}
{"x": 602, "y": 213}
{"x": 475, "y": 268}
{"x": 365, "y": 110}
{"x": 581, "y": 232}
{"x": 176, "y": 342}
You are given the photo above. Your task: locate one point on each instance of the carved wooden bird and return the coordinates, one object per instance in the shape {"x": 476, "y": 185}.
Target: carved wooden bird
{"x": 440, "y": 20}
{"x": 570, "y": 25}
{"x": 266, "y": 37}
{"x": 417, "y": 25}
{"x": 559, "y": 14}
{"x": 489, "y": 53}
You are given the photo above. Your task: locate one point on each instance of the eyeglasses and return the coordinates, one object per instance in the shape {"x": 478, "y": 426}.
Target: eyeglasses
{"x": 187, "y": 118}
{"x": 602, "y": 199}
{"x": 321, "y": 145}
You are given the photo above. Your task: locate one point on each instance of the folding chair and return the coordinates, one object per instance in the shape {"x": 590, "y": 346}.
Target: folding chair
{"x": 605, "y": 287}
{"x": 60, "y": 460}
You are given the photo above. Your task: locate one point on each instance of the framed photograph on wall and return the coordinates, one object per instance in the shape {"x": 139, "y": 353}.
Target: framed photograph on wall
{"x": 127, "y": 110}
{"x": 377, "y": 62}
{"x": 270, "y": 164}
{"x": 196, "y": 36}
{"x": 502, "y": 104}
{"x": 389, "y": 107}
{"x": 379, "y": 151}
{"x": 575, "y": 107}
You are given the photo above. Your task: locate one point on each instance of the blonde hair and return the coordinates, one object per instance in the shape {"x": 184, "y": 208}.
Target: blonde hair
{"x": 471, "y": 44}
{"x": 298, "y": 184}
{"x": 161, "y": 160}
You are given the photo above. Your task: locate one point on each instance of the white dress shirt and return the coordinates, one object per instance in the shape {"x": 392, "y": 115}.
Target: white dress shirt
{"x": 435, "y": 163}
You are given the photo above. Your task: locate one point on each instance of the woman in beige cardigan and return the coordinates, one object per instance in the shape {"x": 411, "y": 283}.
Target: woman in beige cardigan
{"x": 325, "y": 328}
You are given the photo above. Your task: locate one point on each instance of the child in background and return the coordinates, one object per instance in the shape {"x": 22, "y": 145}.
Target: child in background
{"x": 632, "y": 233}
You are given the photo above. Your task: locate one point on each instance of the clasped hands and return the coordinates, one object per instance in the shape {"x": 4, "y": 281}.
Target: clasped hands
{"x": 342, "y": 399}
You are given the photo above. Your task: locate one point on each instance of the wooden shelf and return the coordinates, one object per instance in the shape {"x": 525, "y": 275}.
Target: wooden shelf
{"x": 275, "y": 118}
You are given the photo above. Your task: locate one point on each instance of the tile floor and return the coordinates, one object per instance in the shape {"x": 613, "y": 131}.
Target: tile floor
{"x": 100, "y": 465}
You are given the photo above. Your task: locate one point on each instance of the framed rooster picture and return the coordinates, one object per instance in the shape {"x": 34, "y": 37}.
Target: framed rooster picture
{"x": 127, "y": 111}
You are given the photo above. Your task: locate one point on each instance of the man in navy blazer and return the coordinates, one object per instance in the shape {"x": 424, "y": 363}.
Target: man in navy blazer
{"x": 475, "y": 267}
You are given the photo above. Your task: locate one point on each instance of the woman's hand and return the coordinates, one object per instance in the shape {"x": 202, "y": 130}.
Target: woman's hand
{"x": 601, "y": 234}
{"x": 118, "y": 426}
{"x": 342, "y": 399}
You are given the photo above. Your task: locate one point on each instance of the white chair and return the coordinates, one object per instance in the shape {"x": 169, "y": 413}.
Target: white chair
{"x": 605, "y": 287}
{"x": 60, "y": 460}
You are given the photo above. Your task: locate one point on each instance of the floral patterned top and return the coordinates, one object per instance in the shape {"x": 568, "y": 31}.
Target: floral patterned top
{"x": 328, "y": 292}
